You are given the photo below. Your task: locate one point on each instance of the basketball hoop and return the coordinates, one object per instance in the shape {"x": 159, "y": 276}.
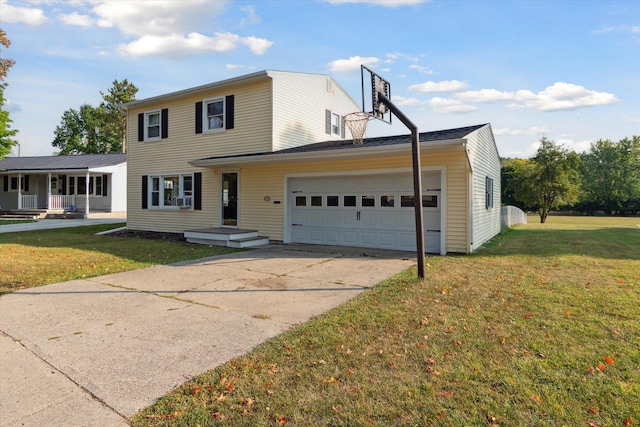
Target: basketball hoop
{"x": 357, "y": 124}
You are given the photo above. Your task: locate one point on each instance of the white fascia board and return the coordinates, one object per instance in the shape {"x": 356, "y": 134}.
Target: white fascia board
{"x": 345, "y": 153}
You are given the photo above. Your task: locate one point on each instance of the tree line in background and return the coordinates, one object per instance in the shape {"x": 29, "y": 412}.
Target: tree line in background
{"x": 606, "y": 179}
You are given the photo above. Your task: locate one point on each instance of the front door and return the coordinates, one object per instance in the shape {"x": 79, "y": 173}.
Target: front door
{"x": 229, "y": 199}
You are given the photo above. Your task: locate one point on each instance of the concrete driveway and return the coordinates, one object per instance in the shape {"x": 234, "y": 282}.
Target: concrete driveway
{"x": 94, "y": 352}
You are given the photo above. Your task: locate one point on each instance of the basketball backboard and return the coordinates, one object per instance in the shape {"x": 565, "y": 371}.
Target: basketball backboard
{"x": 372, "y": 84}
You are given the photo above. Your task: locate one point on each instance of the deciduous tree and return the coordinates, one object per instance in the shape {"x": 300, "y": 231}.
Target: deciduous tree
{"x": 6, "y": 133}
{"x": 92, "y": 130}
{"x": 548, "y": 180}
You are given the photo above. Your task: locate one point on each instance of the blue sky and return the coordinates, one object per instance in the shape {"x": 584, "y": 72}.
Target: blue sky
{"x": 567, "y": 70}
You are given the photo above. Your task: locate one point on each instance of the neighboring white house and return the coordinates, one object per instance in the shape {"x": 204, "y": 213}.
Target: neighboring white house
{"x": 89, "y": 183}
{"x": 267, "y": 152}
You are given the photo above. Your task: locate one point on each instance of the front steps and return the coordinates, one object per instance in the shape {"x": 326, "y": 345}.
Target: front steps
{"x": 229, "y": 237}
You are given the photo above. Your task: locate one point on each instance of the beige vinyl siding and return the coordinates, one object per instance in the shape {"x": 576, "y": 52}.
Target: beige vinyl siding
{"x": 256, "y": 182}
{"x": 485, "y": 161}
{"x": 300, "y": 101}
{"x": 251, "y": 133}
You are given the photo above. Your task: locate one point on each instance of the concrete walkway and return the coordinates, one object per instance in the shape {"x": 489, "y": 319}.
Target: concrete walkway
{"x": 45, "y": 224}
{"x": 94, "y": 352}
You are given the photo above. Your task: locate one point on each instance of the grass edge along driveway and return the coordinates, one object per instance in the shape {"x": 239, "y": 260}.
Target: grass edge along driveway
{"x": 36, "y": 258}
{"x": 540, "y": 327}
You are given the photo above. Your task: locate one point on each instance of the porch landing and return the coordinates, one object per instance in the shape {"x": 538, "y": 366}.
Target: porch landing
{"x": 229, "y": 237}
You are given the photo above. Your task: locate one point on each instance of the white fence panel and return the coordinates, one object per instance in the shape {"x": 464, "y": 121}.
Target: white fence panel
{"x": 512, "y": 215}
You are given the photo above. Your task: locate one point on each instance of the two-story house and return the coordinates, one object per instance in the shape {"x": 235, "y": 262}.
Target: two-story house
{"x": 268, "y": 153}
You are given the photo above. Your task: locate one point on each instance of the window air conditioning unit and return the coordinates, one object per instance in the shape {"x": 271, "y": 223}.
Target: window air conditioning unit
{"x": 184, "y": 202}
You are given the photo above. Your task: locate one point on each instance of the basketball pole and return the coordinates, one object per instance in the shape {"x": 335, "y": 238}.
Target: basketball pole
{"x": 417, "y": 179}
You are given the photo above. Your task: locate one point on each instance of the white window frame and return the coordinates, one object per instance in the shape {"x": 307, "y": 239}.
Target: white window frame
{"x": 182, "y": 200}
{"x": 336, "y": 121}
{"x": 147, "y": 125}
{"x": 17, "y": 178}
{"x": 488, "y": 182}
{"x": 74, "y": 189}
{"x": 205, "y": 114}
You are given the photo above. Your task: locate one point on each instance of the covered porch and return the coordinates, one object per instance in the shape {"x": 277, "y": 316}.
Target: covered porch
{"x": 80, "y": 184}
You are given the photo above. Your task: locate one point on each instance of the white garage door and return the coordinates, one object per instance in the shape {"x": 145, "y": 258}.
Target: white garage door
{"x": 374, "y": 211}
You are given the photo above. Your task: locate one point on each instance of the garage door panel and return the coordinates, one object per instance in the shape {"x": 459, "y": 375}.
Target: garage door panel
{"x": 368, "y": 214}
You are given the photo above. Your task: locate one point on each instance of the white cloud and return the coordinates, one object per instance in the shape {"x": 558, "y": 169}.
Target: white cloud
{"x": 352, "y": 64}
{"x": 437, "y": 87}
{"x": 421, "y": 69}
{"x": 569, "y": 143}
{"x": 559, "y": 96}
{"x": 77, "y": 19}
{"x": 22, "y": 15}
{"x": 157, "y": 17}
{"x": 10, "y": 107}
{"x": 386, "y": 3}
{"x": 401, "y": 101}
{"x": 252, "y": 16}
{"x": 175, "y": 44}
{"x": 449, "y": 106}
{"x": 257, "y": 45}
{"x": 490, "y": 95}
{"x": 534, "y": 130}
{"x": 635, "y": 29}
{"x": 567, "y": 96}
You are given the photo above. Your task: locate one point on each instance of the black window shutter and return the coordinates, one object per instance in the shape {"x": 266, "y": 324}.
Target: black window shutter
{"x": 104, "y": 185}
{"x": 199, "y": 117}
{"x": 26, "y": 183}
{"x": 145, "y": 203}
{"x": 141, "y": 127}
{"x": 327, "y": 121}
{"x": 197, "y": 191}
{"x": 229, "y": 111}
{"x": 6, "y": 183}
{"x": 72, "y": 185}
{"x": 342, "y": 131}
{"x": 164, "y": 118}
{"x": 63, "y": 181}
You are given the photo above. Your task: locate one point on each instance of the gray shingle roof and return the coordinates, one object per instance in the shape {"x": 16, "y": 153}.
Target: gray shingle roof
{"x": 435, "y": 136}
{"x": 441, "y": 135}
{"x": 84, "y": 161}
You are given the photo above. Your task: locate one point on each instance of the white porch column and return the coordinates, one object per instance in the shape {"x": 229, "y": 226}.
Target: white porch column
{"x": 19, "y": 191}
{"x": 86, "y": 188}
{"x": 49, "y": 191}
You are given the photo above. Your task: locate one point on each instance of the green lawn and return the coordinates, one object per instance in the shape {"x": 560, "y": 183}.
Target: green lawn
{"x": 34, "y": 258}
{"x": 539, "y": 328}
{"x": 15, "y": 221}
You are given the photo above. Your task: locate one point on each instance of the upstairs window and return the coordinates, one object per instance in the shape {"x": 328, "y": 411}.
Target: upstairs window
{"x": 214, "y": 114}
{"x": 152, "y": 125}
{"x": 334, "y": 124}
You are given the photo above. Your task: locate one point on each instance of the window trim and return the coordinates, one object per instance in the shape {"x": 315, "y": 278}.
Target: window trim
{"x": 205, "y": 116}
{"x": 188, "y": 202}
{"x": 488, "y": 188}
{"x": 148, "y": 138}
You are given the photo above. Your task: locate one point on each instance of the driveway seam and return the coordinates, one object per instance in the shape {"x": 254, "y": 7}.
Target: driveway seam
{"x": 64, "y": 374}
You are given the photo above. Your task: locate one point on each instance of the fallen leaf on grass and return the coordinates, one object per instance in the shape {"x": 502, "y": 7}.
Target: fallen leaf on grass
{"x": 282, "y": 421}
{"x": 593, "y": 410}
{"x": 608, "y": 360}
{"x": 627, "y": 422}
{"x": 536, "y": 398}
